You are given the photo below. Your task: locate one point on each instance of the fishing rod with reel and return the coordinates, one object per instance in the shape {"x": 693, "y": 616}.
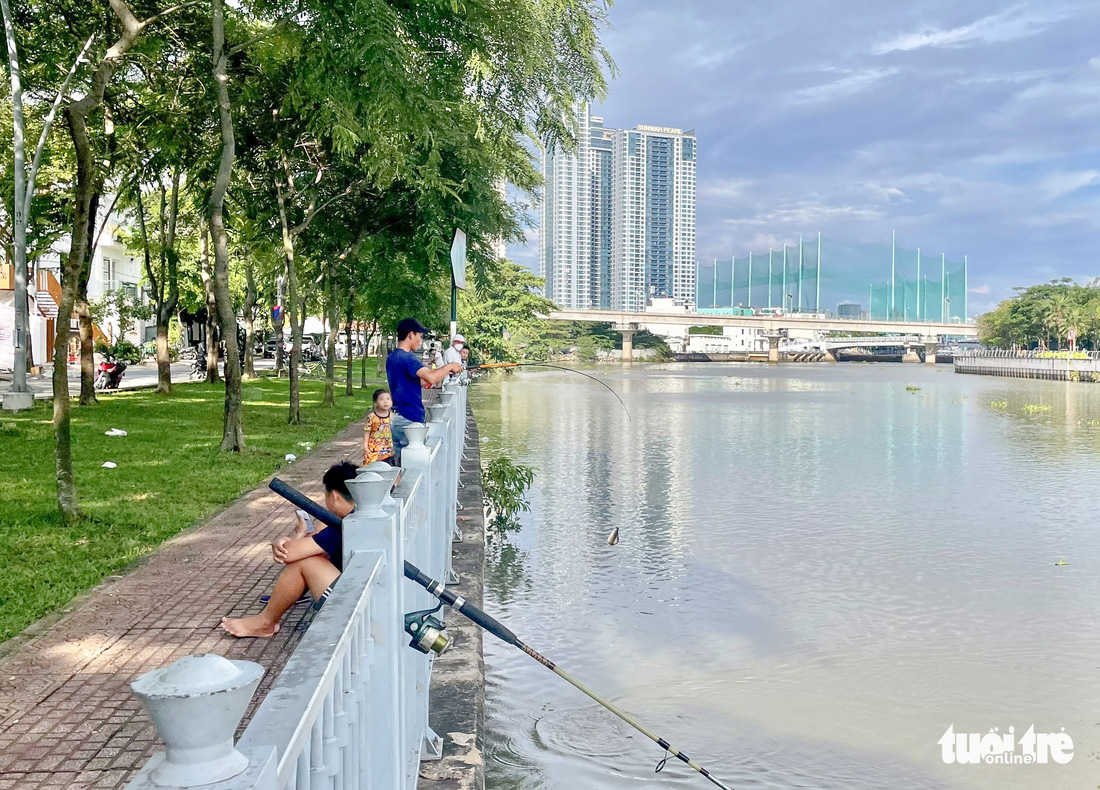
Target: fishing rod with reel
{"x": 428, "y": 631}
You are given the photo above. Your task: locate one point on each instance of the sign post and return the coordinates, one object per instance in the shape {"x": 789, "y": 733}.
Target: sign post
{"x": 458, "y": 275}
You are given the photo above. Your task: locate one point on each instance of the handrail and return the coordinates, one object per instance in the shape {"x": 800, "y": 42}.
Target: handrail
{"x": 291, "y": 713}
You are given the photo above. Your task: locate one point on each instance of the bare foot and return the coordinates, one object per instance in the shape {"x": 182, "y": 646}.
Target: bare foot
{"x": 250, "y": 626}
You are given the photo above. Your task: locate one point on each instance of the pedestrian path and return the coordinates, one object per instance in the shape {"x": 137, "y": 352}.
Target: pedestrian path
{"x": 67, "y": 717}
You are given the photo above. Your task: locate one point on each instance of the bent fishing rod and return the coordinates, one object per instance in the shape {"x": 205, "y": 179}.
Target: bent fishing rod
{"x": 497, "y": 629}
{"x": 493, "y": 365}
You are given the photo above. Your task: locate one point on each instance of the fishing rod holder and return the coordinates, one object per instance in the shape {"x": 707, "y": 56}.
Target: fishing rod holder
{"x": 428, "y": 633}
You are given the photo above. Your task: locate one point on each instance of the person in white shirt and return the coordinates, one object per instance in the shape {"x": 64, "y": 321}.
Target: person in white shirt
{"x": 454, "y": 351}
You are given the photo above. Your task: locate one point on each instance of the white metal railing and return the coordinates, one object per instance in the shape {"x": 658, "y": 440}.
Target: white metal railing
{"x": 1004, "y": 353}
{"x": 1031, "y": 364}
{"x": 350, "y": 708}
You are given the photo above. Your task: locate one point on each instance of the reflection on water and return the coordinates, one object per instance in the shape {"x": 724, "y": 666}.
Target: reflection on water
{"x": 819, "y": 570}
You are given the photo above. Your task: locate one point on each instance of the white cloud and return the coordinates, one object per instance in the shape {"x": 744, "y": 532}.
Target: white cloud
{"x": 1008, "y": 25}
{"x": 981, "y": 289}
{"x": 1058, "y": 185}
{"x": 851, "y": 83}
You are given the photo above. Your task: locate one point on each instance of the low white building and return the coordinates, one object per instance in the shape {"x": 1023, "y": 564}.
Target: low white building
{"x": 113, "y": 268}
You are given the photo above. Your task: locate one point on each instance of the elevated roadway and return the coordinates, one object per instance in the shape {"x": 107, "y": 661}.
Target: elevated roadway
{"x": 911, "y": 333}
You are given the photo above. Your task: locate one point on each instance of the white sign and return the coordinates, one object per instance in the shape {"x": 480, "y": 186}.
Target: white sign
{"x": 458, "y": 260}
{"x": 997, "y": 748}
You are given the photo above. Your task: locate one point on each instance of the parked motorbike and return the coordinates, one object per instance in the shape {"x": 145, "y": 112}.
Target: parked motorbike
{"x": 198, "y": 368}
{"x": 110, "y": 374}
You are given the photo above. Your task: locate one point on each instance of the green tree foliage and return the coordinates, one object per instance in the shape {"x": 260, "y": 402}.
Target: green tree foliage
{"x": 1043, "y": 316}
{"x": 499, "y": 317}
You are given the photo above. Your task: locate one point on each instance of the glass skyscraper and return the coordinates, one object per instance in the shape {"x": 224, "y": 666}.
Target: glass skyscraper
{"x": 618, "y": 218}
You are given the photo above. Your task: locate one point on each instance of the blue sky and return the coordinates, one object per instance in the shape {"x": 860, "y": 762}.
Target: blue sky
{"x": 968, "y": 128}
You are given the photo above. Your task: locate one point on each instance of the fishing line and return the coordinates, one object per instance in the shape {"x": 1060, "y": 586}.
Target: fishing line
{"x": 499, "y": 630}
{"x": 492, "y": 365}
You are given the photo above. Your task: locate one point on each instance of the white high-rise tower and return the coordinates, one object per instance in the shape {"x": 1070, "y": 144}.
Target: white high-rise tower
{"x": 653, "y": 217}
{"x": 618, "y": 218}
{"x": 565, "y": 234}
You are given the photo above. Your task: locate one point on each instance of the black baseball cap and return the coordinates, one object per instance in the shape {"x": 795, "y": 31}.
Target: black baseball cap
{"x": 409, "y": 325}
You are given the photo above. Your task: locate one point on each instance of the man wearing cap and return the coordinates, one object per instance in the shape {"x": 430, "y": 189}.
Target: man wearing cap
{"x": 407, "y": 373}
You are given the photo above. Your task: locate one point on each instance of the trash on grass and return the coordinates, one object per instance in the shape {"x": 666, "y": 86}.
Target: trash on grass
{"x": 109, "y": 464}
{"x": 291, "y": 457}
{"x": 115, "y": 432}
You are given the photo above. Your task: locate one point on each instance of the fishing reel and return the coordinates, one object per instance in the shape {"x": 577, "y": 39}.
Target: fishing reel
{"x": 428, "y": 633}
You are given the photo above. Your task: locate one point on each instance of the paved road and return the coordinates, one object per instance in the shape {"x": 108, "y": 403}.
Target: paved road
{"x": 143, "y": 375}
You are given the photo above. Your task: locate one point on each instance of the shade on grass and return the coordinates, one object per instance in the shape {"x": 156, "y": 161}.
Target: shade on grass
{"x": 169, "y": 475}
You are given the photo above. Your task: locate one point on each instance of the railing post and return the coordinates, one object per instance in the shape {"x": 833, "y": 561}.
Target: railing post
{"x": 373, "y": 528}
{"x": 442, "y": 525}
{"x": 196, "y": 704}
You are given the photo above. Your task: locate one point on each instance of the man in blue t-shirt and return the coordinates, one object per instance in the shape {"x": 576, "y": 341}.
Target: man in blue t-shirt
{"x": 313, "y": 562}
{"x": 407, "y": 373}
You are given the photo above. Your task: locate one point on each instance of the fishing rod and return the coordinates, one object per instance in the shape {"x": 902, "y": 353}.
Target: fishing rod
{"x": 491, "y": 365}
{"x": 497, "y": 629}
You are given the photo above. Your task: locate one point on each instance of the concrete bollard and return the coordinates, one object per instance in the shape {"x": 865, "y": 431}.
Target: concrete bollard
{"x": 387, "y": 473}
{"x": 368, "y": 490}
{"x": 196, "y": 704}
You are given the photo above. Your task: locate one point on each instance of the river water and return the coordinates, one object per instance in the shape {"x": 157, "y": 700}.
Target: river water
{"x": 821, "y": 569}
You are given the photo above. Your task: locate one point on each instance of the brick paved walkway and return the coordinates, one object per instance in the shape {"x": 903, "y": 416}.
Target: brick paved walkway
{"x": 67, "y": 717}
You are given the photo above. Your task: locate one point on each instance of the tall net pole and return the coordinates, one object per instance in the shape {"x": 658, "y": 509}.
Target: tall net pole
{"x": 749, "y": 304}
{"x": 966, "y": 297}
{"x": 800, "y": 274}
{"x": 714, "y": 292}
{"x": 783, "y": 296}
{"x": 817, "y": 302}
{"x": 769, "y": 278}
{"x": 919, "y": 284}
{"x": 893, "y": 281}
{"x": 943, "y": 287}
{"x": 733, "y": 279}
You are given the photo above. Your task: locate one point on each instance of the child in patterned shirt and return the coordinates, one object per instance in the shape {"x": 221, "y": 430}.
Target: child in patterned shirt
{"x": 377, "y": 435}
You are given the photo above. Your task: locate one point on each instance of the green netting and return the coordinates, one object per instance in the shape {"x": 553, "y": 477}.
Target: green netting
{"x": 819, "y": 273}
{"x": 704, "y": 285}
{"x": 724, "y": 288}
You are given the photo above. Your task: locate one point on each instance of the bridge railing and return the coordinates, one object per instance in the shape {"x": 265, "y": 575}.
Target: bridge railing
{"x": 350, "y": 708}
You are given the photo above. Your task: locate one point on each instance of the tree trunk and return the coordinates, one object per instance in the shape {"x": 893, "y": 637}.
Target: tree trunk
{"x": 349, "y": 318}
{"x": 250, "y": 298}
{"x": 233, "y": 426}
{"x": 72, "y": 270}
{"x": 333, "y": 316}
{"x": 211, "y": 307}
{"x": 84, "y": 312}
{"x": 294, "y": 415}
{"x": 166, "y": 305}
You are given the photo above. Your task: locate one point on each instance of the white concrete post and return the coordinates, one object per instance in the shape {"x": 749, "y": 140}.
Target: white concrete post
{"x": 371, "y": 528}
{"x": 196, "y": 704}
{"x": 442, "y": 527}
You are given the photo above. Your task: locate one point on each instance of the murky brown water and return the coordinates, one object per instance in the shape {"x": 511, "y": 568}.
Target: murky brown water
{"x": 819, "y": 571}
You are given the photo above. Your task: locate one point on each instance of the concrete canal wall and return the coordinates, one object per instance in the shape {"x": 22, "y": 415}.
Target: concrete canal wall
{"x": 458, "y": 680}
{"x": 1051, "y": 365}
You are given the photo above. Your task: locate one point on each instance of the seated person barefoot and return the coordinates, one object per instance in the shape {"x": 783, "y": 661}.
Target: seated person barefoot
{"x": 313, "y": 562}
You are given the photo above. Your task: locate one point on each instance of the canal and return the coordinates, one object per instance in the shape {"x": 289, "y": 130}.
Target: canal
{"x": 821, "y": 568}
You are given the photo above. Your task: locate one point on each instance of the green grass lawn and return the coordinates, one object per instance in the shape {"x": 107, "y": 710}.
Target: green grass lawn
{"x": 170, "y": 474}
